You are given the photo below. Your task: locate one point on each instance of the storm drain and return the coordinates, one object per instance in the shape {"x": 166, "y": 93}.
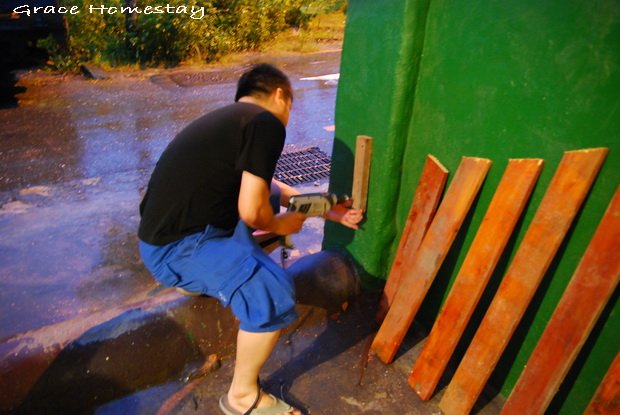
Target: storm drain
{"x": 302, "y": 166}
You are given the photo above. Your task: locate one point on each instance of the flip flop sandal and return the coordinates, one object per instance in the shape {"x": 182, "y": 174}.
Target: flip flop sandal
{"x": 280, "y": 407}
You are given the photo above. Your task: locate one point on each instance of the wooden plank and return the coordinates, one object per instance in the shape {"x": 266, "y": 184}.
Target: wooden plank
{"x": 268, "y": 241}
{"x": 361, "y": 171}
{"x": 486, "y": 249}
{"x": 425, "y": 201}
{"x": 565, "y": 194}
{"x": 606, "y": 399}
{"x": 422, "y": 268}
{"x": 589, "y": 290}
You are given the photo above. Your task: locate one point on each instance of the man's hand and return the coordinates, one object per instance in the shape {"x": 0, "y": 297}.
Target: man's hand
{"x": 288, "y": 223}
{"x": 343, "y": 214}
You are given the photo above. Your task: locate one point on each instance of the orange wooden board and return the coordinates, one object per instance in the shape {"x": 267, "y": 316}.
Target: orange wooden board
{"x": 419, "y": 274}
{"x": 495, "y": 229}
{"x": 606, "y": 399}
{"x": 425, "y": 201}
{"x": 565, "y": 194}
{"x": 588, "y": 291}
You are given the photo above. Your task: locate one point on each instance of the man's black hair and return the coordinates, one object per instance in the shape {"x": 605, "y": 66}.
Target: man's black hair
{"x": 263, "y": 78}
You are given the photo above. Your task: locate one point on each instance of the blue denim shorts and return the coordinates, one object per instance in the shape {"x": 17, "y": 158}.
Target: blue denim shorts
{"x": 230, "y": 266}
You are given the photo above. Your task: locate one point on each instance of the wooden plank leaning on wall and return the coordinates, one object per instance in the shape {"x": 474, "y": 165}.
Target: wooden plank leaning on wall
{"x": 425, "y": 201}
{"x": 587, "y": 293}
{"x": 495, "y": 230}
{"x": 559, "y": 206}
{"x": 426, "y": 263}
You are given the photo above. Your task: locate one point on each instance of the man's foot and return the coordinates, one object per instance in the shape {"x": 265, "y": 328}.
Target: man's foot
{"x": 264, "y": 404}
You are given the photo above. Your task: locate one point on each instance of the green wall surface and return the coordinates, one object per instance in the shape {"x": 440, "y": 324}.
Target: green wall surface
{"x": 501, "y": 80}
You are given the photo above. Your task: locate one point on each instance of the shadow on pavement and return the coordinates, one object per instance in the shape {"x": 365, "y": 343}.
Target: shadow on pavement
{"x": 103, "y": 365}
{"x": 343, "y": 331}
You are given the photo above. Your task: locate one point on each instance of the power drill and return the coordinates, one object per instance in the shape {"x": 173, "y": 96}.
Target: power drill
{"x": 315, "y": 204}
{"x": 310, "y": 204}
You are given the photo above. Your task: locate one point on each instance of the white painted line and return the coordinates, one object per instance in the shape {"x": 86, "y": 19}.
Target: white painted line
{"x": 329, "y": 77}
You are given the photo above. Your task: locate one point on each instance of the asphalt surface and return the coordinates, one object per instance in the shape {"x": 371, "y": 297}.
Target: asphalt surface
{"x": 83, "y": 326}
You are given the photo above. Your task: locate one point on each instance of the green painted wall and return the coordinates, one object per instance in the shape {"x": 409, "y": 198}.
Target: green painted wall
{"x": 504, "y": 79}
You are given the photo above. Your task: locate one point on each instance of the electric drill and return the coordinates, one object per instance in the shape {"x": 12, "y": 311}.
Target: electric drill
{"x": 310, "y": 204}
{"x": 315, "y": 204}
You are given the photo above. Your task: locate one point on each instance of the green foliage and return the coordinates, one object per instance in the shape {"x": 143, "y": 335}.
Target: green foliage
{"x": 196, "y": 30}
{"x": 59, "y": 59}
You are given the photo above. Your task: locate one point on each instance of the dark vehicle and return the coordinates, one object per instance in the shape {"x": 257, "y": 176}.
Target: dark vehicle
{"x": 19, "y": 32}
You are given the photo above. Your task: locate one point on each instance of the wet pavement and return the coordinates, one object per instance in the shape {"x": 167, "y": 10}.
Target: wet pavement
{"x": 83, "y": 326}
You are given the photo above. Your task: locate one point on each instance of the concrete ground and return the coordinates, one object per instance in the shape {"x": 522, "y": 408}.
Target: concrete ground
{"x": 83, "y": 326}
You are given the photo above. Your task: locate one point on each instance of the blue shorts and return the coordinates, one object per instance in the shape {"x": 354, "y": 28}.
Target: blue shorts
{"x": 228, "y": 265}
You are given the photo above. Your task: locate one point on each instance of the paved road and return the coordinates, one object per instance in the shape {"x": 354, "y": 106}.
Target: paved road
{"x": 75, "y": 156}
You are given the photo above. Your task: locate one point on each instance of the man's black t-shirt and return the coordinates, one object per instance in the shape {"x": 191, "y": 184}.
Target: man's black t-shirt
{"x": 197, "y": 179}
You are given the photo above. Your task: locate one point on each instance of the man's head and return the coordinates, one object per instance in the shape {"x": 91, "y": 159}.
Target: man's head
{"x": 266, "y": 85}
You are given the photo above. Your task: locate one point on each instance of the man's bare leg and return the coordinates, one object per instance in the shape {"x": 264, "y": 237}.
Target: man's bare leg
{"x": 253, "y": 350}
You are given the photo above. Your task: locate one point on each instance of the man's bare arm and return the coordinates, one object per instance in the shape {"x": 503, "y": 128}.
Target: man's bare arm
{"x": 256, "y": 211}
{"x": 286, "y": 192}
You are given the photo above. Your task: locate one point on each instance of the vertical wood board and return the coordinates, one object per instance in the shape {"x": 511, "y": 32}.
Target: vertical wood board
{"x": 589, "y": 290}
{"x": 420, "y": 269}
{"x": 606, "y": 399}
{"x": 361, "y": 171}
{"x": 425, "y": 201}
{"x": 485, "y": 251}
{"x": 563, "y": 198}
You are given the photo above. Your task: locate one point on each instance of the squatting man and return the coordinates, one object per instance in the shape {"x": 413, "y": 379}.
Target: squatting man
{"x": 212, "y": 186}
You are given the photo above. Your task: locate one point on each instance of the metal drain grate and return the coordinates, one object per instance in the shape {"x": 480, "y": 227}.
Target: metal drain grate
{"x": 301, "y": 166}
